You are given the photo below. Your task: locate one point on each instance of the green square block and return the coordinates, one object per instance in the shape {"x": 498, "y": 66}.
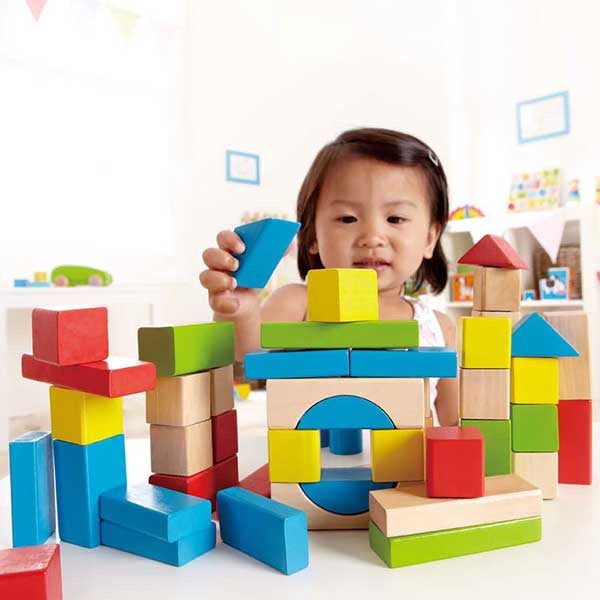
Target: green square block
{"x": 406, "y": 550}
{"x": 358, "y": 334}
{"x": 534, "y": 427}
{"x": 187, "y": 349}
{"x": 497, "y": 436}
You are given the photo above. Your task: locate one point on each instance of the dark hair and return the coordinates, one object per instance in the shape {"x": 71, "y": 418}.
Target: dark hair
{"x": 391, "y": 147}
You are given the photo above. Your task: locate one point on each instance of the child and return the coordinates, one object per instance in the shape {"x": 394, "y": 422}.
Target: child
{"x": 372, "y": 199}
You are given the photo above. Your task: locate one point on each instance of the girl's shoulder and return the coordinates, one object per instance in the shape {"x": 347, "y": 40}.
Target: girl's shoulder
{"x": 437, "y": 324}
{"x": 287, "y": 303}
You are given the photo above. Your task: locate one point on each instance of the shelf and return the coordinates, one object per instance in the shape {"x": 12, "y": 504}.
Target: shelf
{"x": 530, "y": 304}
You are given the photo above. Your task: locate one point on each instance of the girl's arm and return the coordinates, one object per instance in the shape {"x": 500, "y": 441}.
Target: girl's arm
{"x": 446, "y": 403}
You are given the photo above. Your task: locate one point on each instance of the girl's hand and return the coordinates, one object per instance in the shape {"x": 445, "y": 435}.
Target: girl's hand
{"x": 225, "y": 298}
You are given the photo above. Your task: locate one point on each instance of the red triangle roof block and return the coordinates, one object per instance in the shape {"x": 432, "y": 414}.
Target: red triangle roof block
{"x": 493, "y": 251}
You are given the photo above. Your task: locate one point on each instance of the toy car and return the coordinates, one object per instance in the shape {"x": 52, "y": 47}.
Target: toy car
{"x": 71, "y": 275}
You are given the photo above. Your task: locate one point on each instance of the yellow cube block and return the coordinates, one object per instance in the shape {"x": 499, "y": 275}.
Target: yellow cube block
{"x": 397, "y": 455}
{"x": 484, "y": 342}
{"x": 82, "y": 418}
{"x": 294, "y": 455}
{"x": 534, "y": 381}
{"x": 342, "y": 295}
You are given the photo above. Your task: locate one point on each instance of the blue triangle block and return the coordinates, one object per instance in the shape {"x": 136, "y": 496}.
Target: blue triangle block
{"x": 533, "y": 336}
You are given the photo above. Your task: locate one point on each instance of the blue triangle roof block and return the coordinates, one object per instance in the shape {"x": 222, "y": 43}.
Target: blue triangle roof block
{"x": 533, "y": 336}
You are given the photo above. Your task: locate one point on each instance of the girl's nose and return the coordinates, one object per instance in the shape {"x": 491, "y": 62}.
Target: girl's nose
{"x": 370, "y": 237}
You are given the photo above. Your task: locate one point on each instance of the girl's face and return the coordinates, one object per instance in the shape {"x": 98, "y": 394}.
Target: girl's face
{"x": 373, "y": 215}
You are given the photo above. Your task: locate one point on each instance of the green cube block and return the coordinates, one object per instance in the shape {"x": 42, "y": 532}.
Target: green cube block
{"x": 498, "y": 460}
{"x": 406, "y": 550}
{"x": 184, "y": 349}
{"x": 534, "y": 427}
{"x": 359, "y": 334}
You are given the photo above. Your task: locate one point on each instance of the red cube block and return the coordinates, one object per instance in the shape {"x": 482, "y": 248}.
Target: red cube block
{"x": 224, "y": 435}
{"x": 70, "y": 336}
{"x": 258, "y": 482}
{"x": 31, "y": 572}
{"x": 455, "y": 462}
{"x": 575, "y": 441}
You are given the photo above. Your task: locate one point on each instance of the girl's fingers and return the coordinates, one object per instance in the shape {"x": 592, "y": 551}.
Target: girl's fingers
{"x": 230, "y": 241}
{"x": 223, "y": 303}
{"x": 216, "y": 258}
{"x": 217, "y": 281}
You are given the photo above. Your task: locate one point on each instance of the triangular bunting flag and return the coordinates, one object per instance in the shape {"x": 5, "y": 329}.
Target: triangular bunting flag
{"x": 125, "y": 20}
{"x": 36, "y": 7}
{"x": 493, "y": 251}
{"x": 533, "y": 336}
{"x": 548, "y": 232}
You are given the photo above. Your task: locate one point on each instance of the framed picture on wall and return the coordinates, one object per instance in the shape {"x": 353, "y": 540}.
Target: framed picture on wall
{"x": 544, "y": 117}
{"x": 242, "y": 167}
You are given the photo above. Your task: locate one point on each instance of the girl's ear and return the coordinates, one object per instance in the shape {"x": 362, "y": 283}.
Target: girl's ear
{"x": 433, "y": 235}
{"x": 313, "y": 248}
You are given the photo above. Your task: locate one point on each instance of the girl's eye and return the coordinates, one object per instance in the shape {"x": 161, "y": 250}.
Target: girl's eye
{"x": 346, "y": 219}
{"x": 396, "y": 220}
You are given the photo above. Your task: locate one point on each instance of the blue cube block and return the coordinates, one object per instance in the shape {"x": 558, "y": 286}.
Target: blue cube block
{"x": 176, "y": 553}
{"x": 294, "y": 364}
{"x": 32, "y": 488}
{"x": 267, "y": 530}
{"x": 266, "y": 242}
{"x": 149, "y": 509}
{"x": 83, "y": 474}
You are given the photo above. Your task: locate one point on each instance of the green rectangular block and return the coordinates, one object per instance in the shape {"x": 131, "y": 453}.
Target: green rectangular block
{"x": 184, "y": 349}
{"x": 534, "y": 427}
{"x": 359, "y": 334}
{"x": 497, "y": 436}
{"x": 406, "y": 550}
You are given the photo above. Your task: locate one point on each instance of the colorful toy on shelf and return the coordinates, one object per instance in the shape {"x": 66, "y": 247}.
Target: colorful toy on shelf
{"x": 73, "y": 275}
{"x": 529, "y": 295}
{"x": 461, "y": 287}
{"x": 468, "y": 211}
{"x": 557, "y": 286}
{"x": 573, "y": 196}
{"x": 535, "y": 191}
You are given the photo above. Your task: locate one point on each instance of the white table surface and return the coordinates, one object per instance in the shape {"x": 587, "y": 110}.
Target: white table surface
{"x": 565, "y": 563}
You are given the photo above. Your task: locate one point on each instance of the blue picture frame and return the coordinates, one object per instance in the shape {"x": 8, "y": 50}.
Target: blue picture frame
{"x": 565, "y": 127}
{"x": 230, "y": 173}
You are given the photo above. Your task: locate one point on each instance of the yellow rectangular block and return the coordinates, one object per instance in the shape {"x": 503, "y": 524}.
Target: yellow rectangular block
{"x": 342, "y": 295}
{"x": 397, "y": 455}
{"x": 82, "y": 418}
{"x": 294, "y": 455}
{"x": 534, "y": 381}
{"x": 514, "y": 317}
{"x": 484, "y": 342}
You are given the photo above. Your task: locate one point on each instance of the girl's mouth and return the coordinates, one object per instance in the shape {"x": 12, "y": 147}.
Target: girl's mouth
{"x": 376, "y": 265}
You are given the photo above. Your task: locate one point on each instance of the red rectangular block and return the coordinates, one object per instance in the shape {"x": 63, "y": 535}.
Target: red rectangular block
{"x": 70, "y": 336}
{"x": 575, "y": 441}
{"x": 258, "y": 482}
{"x": 31, "y": 572}
{"x": 455, "y": 462}
{"x": 224, "y": 435}
{"x": 116, "y": 376}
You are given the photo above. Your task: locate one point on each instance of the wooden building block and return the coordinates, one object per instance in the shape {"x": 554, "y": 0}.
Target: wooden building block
{"x": 497, "y": 289}
{"x": 181, "y": 451}
{"x": 70, "y": 336}
{"x": 498, "y": 448}
{"x": 408, "y": 510}
{"x": 224, "y": 435}
{"x": 221, "y": 390}
{"x": 179, "y": 401}
{"x": 575, "y": 437}
{"x": 82, "y": 418}
{"x": 342, "y": 441}
{"x": 342, "y": 295}
{"x": 31, "y": 573}
{"x": 483, "y": 343}
{"x": 266, "y": 242}
{"x": 290, "y": 364}
{"x": 359, "y": 334}
{"x": 574, "y": 373}
{"x": 493, "y": 251}
{"x": 540, "y": 469}
{"x": 534, "y": 427}
{"x": 83, "y": 473}
{"x": 187, "y": 349}
{"x": 289, "y": 399}
{"x": 258, "y": 481}
{"x": 484, "y": 393}
{"x": 534, "y": 381}
{"x": 294, "y": 456}
{"x": 32, "y": 488}
{"x": 265, "y": 529}
{"x": 534, "y": 336}
{"x": 514, "y": 317}
{"x": 397, "y": 455}
{"x": 455, "y": 464}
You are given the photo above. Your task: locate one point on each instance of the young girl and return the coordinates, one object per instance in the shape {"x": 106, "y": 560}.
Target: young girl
{"x": 372, "y": 199}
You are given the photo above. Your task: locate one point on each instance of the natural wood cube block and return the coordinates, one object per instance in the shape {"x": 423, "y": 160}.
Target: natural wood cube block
{"x": 484, "y": 393}
{"x": 514, "y": 317}
{"x": 221, "y": 390}
{"x": 540, "y": 469}
{"x": 497, "y": 289}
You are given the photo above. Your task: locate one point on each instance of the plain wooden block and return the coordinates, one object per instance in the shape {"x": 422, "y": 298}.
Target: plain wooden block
{"x": 397, "y": 455}
{"x": 221, "y": 390}
{"x": 294, "y": 455}
{"x": 289, "y": 399}
{"x": 181, "y": 451}
{"x": 408, "y": 510}
{"x": 484, "y": 393}
{"x": 514, "y": 317}
{"x": 179, "y": 401}
{"x": 483, "y": 343}
{"x": 534, "y": 381}
{"x": 540, "y": 469}
{"x": 497, "y": 289}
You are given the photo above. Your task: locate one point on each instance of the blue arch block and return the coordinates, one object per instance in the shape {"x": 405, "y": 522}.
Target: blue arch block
{"x": 344, "y": 491}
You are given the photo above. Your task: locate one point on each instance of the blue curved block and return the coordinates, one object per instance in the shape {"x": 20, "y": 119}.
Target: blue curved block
{"x": 345, "y": 412}
{"x": 345, "y": 441}
{"x": 324, "y": 438}
{"x": 295, "y": 364}
{"x": 413, "y": 362}
{"x": 344, "y": 491}
{"x": 534, "y": 337}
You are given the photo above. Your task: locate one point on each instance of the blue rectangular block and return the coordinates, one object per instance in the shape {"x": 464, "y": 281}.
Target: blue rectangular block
{"x": 156, "y": 511}
{"x": 267, "y": 530}
{"x": 289, "y": 364}
{"x": 32, "y": 488}
{"x": 83, "y": 473}
{"x": 414, "y": 362}
{"x": 176, "y": 553}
